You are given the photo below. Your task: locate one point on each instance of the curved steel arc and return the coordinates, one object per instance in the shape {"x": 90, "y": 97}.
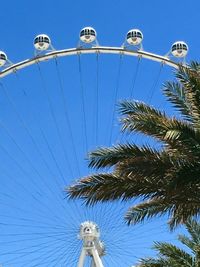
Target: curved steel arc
{"x": 92, "y": 50}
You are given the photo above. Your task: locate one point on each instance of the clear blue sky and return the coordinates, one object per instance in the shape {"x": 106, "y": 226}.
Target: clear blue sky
{"x": 38, "y": 227}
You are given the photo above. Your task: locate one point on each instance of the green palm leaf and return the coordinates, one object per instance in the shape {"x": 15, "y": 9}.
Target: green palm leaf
{"x": 166, "y": 180}
{"x": 176, "y": 95}
{"x": 106, "y": 157}
{"x": 147, "y": 210}
{"x": 176, "y": 254}
{"x": 169, "y": 255}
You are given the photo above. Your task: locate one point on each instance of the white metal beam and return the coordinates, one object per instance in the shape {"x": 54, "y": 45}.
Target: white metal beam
{"x": 82, "y": 258}
{"x": 92, "y": 50}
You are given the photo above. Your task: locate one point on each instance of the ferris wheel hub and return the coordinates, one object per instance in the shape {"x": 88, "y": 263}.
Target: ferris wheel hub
{"x": 92, "y": 246}
{"x": 89, "y": 231}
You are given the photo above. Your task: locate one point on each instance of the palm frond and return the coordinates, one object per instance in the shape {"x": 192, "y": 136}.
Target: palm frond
{"x": 176, "y": 95}
{"x": 131, "y": 107}
{"x": 186, "y": 174}
{"x": 183, "y": 211}
{"x": 152, "y": 123}
{"x": 101, "y": 187}
{"x": 146, "y": 210}
{"x": 176, "y": 254}
{"x": 129, "y": 154}
{"x": 194, "y": 66}
{"x": 169, "y": 255}
{"x": 106, "y": 157}
{"x": 193, "y": 228}
{"x": 187, "y": 241}
{"x": 190, "y": 79}
{"x": 155, "y": 262}
{"x": 178, "y": 210}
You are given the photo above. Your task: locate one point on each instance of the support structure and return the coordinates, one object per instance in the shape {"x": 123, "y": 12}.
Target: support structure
{"x": 97, "y": 49}
{"x": 92, "y": 246}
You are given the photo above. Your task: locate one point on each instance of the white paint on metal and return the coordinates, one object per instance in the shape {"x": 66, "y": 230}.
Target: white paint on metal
{"x": 92, "y": 246}
{"x": 92, "y": 50}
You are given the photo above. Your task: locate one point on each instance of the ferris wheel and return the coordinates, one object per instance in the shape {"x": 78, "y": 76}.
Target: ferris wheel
{"x": 39, "y": 162}
{"x": 88, "y": 35}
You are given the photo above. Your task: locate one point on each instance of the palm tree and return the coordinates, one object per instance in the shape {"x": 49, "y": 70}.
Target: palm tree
{"x": 166, "y": 180}
{"x": 170, "y": 255}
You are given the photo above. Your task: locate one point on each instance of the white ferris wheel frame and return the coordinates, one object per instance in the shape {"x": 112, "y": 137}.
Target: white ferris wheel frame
{"x": 12, "y": 68}
{"x": 93, "y": 253}
{"x": 91, "y": 50}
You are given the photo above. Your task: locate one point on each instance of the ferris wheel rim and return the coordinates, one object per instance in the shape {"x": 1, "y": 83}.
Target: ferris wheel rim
{"x": 91, "y": 50}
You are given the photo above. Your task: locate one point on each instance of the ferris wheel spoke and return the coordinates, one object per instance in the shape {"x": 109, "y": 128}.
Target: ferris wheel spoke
{"x": 55, "y": 255}
{"x": 49, "y": 148}
{"x": 36, "y": 223}
{"x": 82, "y": 89}
{"x": 61, "y": 86}
{"x": 54, "y": 119}
{"x": 154, "y": 85}
{"x": 116, "y": 91}
{"x": 96, "y": 107}
{"x": 134, "y": 78}
{"x": 39, "y": 208}
{"x": 54, "y": 159}
{"x": 39, "y": 237}
{"x": 9, "y": 134}
{"x": 42, "y": 246}
{"x": 32, "y": 139}
{"x": 120, "y": 136}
